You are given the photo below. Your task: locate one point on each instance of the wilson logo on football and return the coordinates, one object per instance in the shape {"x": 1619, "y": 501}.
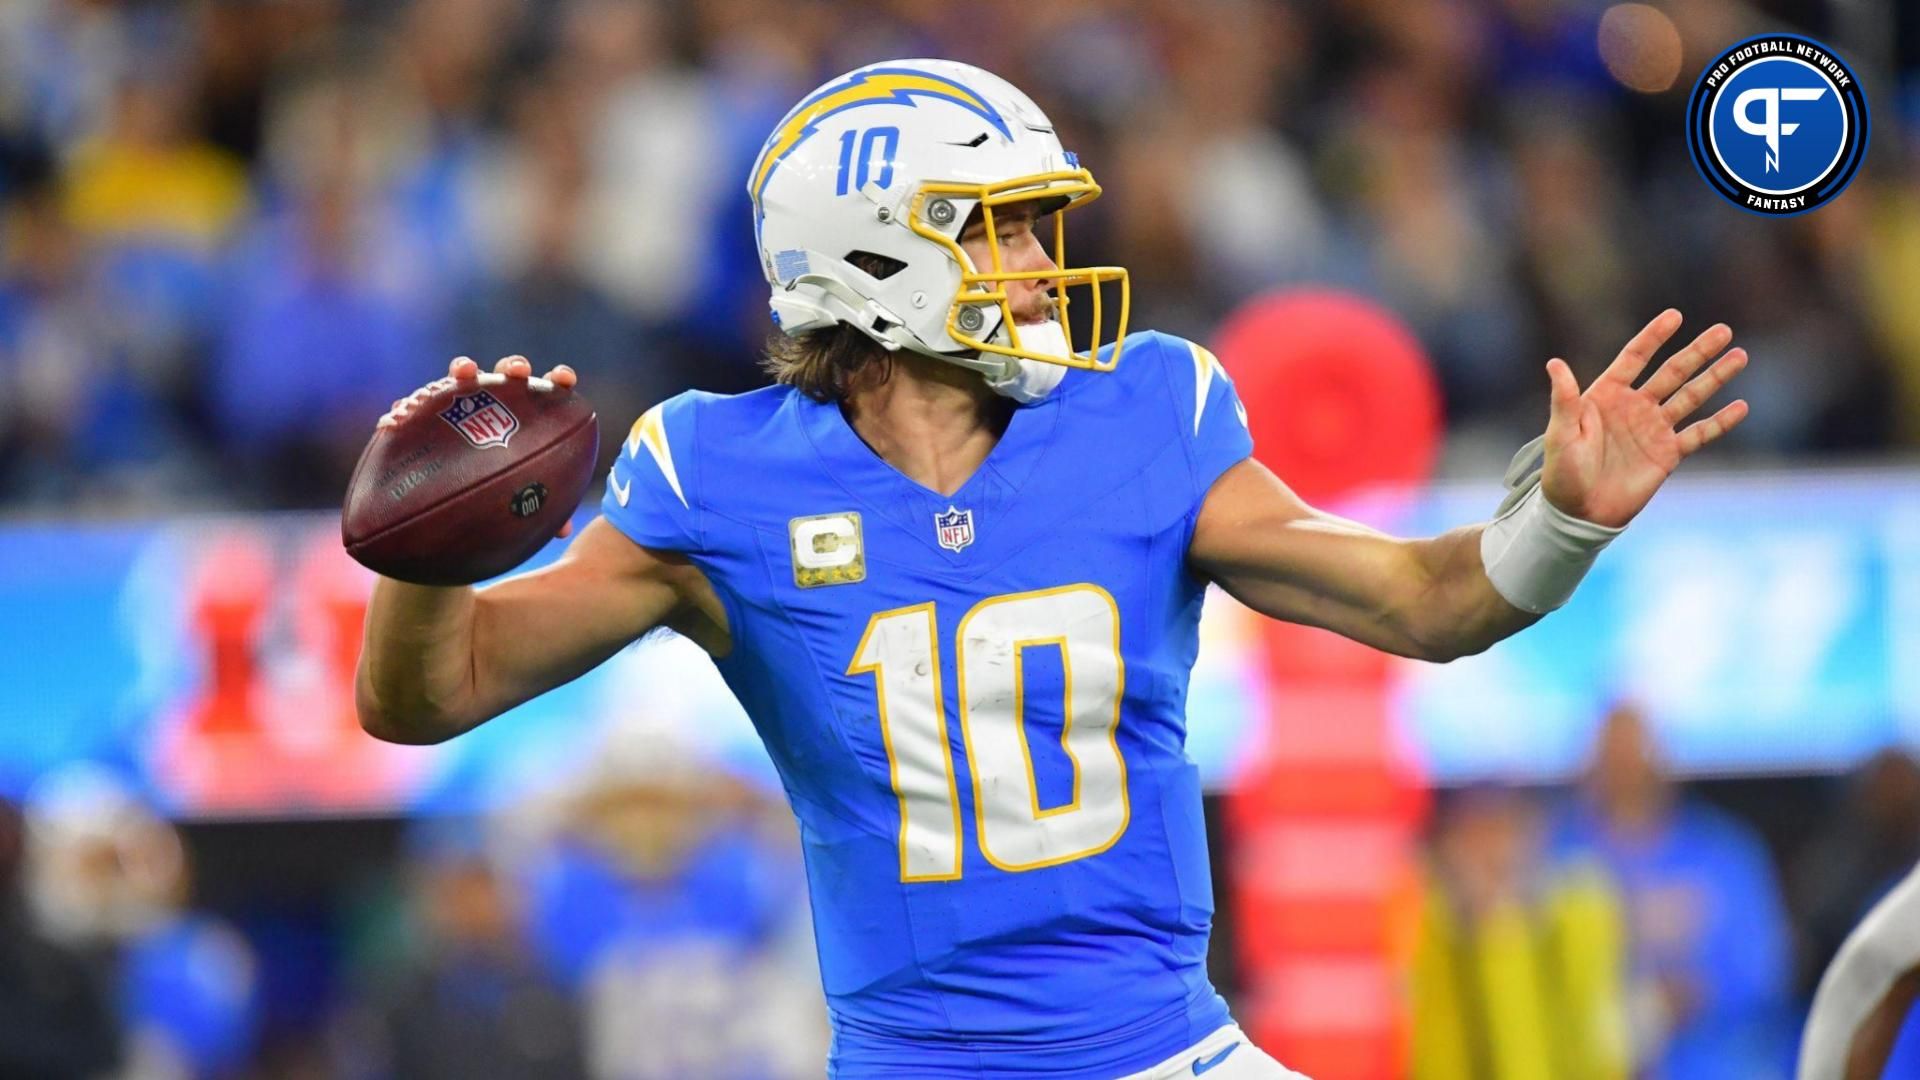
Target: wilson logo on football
{"x": 481, "y": 420}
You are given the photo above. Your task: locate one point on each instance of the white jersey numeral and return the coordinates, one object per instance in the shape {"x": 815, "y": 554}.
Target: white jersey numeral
{"x": 1015, "y": 832}
{"x": 898, "y": 649}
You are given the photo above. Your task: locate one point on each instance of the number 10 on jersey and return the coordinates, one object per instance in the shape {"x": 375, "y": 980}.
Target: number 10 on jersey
{"x": 1014, "y": 831}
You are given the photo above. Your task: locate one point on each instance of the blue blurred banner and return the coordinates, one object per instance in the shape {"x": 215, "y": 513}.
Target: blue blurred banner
{"x": 211, "y": 660}
{"x": 1768, "y": 623}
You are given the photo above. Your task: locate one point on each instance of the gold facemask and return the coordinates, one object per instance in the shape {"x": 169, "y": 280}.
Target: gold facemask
{"x": 932, "y": 208}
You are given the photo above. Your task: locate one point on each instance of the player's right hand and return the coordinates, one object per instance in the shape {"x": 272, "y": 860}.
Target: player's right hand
{"x": 462, "y": 370}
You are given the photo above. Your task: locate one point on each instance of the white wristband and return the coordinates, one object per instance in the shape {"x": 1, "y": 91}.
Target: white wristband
{"x": 1535, "y": 555}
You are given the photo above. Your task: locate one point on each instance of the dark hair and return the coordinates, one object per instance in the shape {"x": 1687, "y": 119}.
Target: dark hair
{"x": 822, "y": 364}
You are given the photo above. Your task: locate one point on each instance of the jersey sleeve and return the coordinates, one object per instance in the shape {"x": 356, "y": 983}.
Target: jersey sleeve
{"x": 653, "y": 487}
{"x": 1213, "y": 422}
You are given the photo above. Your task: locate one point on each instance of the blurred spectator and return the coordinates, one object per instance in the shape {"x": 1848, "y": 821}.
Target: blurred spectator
{"x": 45, "y": 346}
{"x": 1865, "y": 850}
{"x": 333, "y": 299}
{"x": 671, "y": 905}
{"x": 1571, "y": 222}
{"x": 108, "y": 877}
{"x": 527, "y": 195}
{"x": 152, "y": 206}
{"x": 1421, "y": 231}
{"x": 1520, "y": 968}
{"x": 1210, "y": 200}
{"x": 472, "y": 1003}
{"x": 145, "y": 176}
{"x": 1872, "y": 843}
{"x": 55, "y": 1020}
{"x": 654, "y": 133}
{"x": 59, "y": 60}
{"x": 1889, "y": 254}
{"x": 1706, "y": 924}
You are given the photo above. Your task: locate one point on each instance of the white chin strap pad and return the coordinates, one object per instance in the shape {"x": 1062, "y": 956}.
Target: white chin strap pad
{"x": 1028, "y": 381}
{"x": 816, "y": 301}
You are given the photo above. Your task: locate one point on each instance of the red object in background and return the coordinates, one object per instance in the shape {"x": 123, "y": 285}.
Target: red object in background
{"x": 231, "y": 590}
{"x": 1339, "y": 394}
{"x": 271, "y": 728}
{"x": 1339, "y": 397}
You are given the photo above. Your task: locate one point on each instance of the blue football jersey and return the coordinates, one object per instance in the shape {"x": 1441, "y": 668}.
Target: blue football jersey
{"x": 976, "y": 704}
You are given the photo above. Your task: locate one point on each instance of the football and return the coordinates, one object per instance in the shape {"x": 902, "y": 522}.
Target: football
{"x": 471, "y": 482}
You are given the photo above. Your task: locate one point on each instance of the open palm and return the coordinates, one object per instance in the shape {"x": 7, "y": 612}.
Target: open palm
{"x": 1609, "y": 448}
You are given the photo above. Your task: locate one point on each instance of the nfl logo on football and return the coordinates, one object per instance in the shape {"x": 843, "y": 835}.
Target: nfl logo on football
{"x": 955, "y": 528}
{"x": 482, "y": 420}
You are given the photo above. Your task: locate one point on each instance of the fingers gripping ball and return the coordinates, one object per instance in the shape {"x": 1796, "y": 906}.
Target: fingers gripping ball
{"x": 1338, "y": 391}
{"x": 469, "y": 477}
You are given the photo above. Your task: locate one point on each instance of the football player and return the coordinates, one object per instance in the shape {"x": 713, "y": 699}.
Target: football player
{"x": 1867, "y": 991}
{"x": 953, "y": 567}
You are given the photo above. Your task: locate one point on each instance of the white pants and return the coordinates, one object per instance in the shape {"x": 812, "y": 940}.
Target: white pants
{"x": 1227, "y": 1054}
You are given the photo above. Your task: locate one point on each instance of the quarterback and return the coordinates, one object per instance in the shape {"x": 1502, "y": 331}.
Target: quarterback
{"x": 953, "y": 565}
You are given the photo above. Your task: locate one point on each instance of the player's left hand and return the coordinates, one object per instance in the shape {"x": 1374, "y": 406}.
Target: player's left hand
{"x": 1609, "y": 448}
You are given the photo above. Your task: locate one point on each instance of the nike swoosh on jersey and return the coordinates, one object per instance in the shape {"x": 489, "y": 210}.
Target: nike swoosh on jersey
{"x": 620, "y": 490}
{"x": 1206, "y": 1065}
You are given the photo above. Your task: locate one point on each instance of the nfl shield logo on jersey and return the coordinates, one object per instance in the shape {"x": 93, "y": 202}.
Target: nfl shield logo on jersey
{"x": 955, "y": 528}
{"x": 481, "y": 419}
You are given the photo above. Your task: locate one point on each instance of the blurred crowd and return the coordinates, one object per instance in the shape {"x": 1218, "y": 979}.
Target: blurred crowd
{"x": 1633, "y": 929}
{"x": 647, "y": 920}
{"x": 105, "y": 968}
{"x": 649, "y": 924}
{"x": 235, "y": 230}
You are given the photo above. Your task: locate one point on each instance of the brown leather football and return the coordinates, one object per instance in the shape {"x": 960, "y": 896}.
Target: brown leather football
{"x": 471, "y": 482}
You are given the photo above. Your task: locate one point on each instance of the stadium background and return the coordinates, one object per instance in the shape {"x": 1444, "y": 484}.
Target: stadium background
{"x": 234, "y": 230}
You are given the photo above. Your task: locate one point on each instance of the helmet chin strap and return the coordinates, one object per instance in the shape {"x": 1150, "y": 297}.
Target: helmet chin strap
{"x": 1025, "y": 381}
{"x": 1029, "y": 381}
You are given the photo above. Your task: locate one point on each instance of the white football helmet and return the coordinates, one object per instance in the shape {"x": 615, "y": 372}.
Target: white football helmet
{"x": 889, "y": 160}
